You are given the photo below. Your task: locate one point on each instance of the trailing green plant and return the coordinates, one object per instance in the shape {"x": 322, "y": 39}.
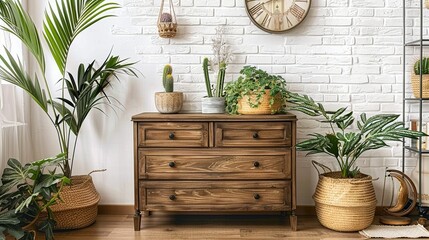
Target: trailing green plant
{"x": 222, "y": 56}
{"x": 80, "y": 92}
{"x": 167, "y": 78}
{"x": 343, "y": 143}
{"x": 25, "y": 192}
{"x": 424, "y": 66}
{"x": 254, "y": 81}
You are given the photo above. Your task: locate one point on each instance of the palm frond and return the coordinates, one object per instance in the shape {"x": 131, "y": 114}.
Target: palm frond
{"x": 65, "y": 20}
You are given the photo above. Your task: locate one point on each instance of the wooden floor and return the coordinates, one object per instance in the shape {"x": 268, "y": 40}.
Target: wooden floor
{"x": 164, "y": 226}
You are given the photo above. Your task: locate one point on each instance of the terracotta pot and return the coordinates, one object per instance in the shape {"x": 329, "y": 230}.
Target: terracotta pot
{"x": 169, "y": 102}
{"x": 264, "y": 107}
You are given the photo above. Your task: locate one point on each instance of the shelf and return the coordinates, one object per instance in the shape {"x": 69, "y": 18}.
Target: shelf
{"x": 416, "y": 43}
{"x": 416, "y": 99}
{"x": 413, "y": 149}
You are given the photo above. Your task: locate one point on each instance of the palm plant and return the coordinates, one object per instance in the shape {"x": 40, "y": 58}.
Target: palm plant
{"x": 342, "y": 143}
{"x": 80, "y": 92}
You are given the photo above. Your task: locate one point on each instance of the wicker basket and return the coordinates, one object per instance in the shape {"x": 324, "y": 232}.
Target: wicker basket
{"x": 167, "y": 28}
{"x": 79, "y": 205}
{"x": 415, "y": 84}
{"x": 345, "y": 204}
{"x": 264, "y": 106}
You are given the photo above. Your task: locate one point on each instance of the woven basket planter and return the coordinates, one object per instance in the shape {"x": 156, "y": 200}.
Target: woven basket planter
{"x": 345, "y": 204}
{"x": 79, "y": 205}
{"x": 169, "y": 102}
{"x": 264, "y": 107}
{"x": 415, "y": 84}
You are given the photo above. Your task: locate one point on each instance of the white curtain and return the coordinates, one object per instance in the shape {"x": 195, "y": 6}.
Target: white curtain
{"x": 14, "y": 112}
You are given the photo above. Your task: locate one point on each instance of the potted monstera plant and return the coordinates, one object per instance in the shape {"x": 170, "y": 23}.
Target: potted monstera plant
{"x": 81, "y": 90}
{"x": 345, "y": 200}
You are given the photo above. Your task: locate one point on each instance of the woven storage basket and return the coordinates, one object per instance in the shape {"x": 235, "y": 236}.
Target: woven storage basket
{"x": 345, "y": 204}
{"x": 79, "y": 205}
{"x": 167, "y": 28}
{"x": 263, "y": 107}
{"x": 415, "y": 84}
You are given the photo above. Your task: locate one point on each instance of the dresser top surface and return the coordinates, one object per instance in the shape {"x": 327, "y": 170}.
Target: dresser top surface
{"x": 152, "y": 116}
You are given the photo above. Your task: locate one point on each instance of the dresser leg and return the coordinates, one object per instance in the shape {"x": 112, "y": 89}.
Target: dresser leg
{"x": 293, "y": 221}
{"x": 137, "y": 220}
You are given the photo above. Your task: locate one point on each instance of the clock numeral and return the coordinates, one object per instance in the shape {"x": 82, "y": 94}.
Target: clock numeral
{"x": 296, "y": 0}
{"x": 266, "y": 21}
{"x": 255, "y": 9}
{"x": 297, "y": 11}
{"x": 252, "y": 0}
{"x": 289, "y": 23}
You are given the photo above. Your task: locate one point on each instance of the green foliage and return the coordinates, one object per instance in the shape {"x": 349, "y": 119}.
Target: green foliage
{"x": 219, "y": 90}
{"x": 25, "y": 192}
{"x": 168, "y": 70}
{"x": 80, "y": 93}
{"x": 207, "y": 77}
{"x": 254, "y": 81}
{"x": 424, "y": 65}
{"x": 169, "y": 83}
{"x": 345, "y": 145}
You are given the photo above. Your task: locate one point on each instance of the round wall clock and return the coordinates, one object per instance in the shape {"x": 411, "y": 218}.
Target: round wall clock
{"x": 277, "y": 16}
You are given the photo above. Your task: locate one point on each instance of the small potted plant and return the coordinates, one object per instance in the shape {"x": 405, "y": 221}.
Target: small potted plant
{"x": 214, "y": 102}
{"x": 168, "y": 101}
{"x": 256, "y": 92}
{"x": 415, "y": 78}
{"x": 345, "y": 200}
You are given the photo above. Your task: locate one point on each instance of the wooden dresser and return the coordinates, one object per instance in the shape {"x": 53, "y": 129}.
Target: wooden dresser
{"x": 214, "y": 162}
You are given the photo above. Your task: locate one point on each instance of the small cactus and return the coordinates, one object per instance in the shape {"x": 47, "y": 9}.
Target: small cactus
{"x": 425, "y": 66}
{"x": 166, "y": 17}
{"x": 207, "y": 77}
{"x": 168, "y": 70}
{"x": 169, "y": 83}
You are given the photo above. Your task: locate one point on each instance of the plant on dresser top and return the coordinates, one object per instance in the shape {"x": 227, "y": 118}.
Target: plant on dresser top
{"x": 168, "y": 101}
{"x": 345, "y": 200}
{"x": 415, "y": 78}
{"x": 214, "y": 102}
{"x": 256, "y": 92}
{"x": 79, "y": 92}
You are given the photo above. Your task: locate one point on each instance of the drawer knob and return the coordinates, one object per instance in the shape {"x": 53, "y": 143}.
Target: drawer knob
{"x": 255, "y": 135}
{"x": 257, "y": 196}
{"x": 256, "y": 164}
{"x": 171, "y": 136}
{"x": 172, "y": 197}
{"x": 172, "y": 164}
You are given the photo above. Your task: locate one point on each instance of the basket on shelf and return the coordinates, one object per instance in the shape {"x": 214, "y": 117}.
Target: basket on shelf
{"x": 415, "y": 84}
{"x": 244, "y": 106}
{"x": 167, "y": 23}
{"x": 79, "y": 205}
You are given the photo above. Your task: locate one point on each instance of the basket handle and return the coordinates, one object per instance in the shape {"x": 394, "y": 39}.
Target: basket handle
{"x": 318, "y": 165}
{"x": 98, "y": 170}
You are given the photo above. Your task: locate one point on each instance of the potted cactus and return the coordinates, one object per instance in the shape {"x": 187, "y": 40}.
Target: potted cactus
{"x": 420, "y": 67}
{"x": 168, "y": 101}
{"x": 214, "y": 102}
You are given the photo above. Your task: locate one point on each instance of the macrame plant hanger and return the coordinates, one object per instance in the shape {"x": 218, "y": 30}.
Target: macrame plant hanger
{"x": 167, "y": 23}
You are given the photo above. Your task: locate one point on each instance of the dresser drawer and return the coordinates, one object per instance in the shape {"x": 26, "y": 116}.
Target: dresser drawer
{"x": 253, "y": 134}
{"x": 212, "y": 164}
{"x": 173, "y": 134}
{"x": 211, "y": 195}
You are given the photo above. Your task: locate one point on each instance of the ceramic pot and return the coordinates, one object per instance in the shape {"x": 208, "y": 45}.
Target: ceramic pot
{"x": 213, "y": 105}
{"x": 169, "y": 102}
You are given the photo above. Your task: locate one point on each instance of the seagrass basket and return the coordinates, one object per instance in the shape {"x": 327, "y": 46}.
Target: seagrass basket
{"x": 345, "y": 204}
{"x": 245, "y": 107}
{"x": 415, "y": 84}
{"x": 78, "y": 206}
{"x": 167, "y": 22}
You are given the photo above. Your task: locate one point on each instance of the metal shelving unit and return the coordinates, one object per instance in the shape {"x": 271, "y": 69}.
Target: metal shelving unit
{"x": 421, "y": 42}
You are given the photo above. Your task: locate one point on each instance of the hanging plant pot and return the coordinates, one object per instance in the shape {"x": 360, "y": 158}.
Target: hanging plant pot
{"x": 247, "y": 104}
{"x": 167, "y": 23}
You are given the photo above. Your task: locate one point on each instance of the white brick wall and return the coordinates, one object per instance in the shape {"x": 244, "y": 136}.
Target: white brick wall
{"x": 345, "y": 53}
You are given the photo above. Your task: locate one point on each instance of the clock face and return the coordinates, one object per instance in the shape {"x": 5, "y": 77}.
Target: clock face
{"x": 276, "y": 16}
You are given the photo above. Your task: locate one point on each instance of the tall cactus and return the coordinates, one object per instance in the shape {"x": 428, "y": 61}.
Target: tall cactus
{"x": 207, "y": 77}
{"x": 168, "y": 70}
{"x": 169, "y": 83}
{"x": 220, "y": 79}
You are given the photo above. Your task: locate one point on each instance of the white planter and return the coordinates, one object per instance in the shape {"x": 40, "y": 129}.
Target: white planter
{"x": 213, "y": 105}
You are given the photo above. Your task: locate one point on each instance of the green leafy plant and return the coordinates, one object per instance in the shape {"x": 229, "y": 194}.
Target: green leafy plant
{"x": 344, "y": 144}
{"x": 254, "y": 81}
{"x": 424, "y": 66}
{"x": 25, "y": 192}
{"x": 80, "y": 92}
